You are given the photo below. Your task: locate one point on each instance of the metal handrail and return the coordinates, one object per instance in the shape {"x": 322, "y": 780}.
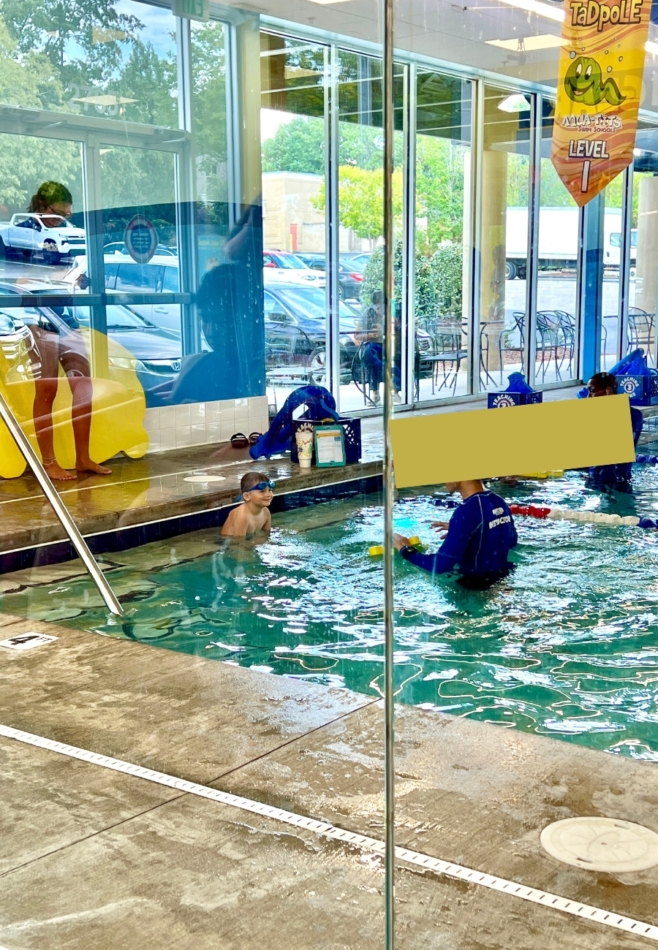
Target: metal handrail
{"x": 59, "y": 508}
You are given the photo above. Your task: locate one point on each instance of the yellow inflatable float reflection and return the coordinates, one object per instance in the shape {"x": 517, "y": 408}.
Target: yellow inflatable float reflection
{"x": 117, "y": 407}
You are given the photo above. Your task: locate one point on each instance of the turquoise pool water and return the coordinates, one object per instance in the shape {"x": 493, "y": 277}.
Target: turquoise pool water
{"x": 567, "y": 646}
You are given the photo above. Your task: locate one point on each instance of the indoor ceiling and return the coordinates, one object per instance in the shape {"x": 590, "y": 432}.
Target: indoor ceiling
{"x": 515, "y": 38}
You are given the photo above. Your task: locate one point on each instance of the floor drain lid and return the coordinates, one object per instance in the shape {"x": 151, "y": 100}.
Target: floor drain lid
{"x": 199, "y": 479}
{"x": 602, "y": 844}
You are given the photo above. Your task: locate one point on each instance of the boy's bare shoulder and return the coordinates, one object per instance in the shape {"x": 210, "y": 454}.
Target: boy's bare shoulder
{"x": 236, "y": 522}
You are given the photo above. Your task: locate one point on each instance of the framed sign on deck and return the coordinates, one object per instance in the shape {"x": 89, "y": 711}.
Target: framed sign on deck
{"x": 329, "y": 446}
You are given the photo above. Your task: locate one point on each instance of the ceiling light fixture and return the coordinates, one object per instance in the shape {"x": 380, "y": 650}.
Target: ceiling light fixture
{"x": 327, "y": 2}
{"x": 106, "y": 100}
{"x": 514, "y": 103}
{"x": 557, "y": 14}
{"x": 528, "y": 44}
{"x": 541, "y": 9}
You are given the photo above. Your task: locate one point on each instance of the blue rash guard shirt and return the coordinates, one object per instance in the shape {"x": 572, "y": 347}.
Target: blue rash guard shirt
{"x": 480, "y": 536}
{"x": 622, "y": 473}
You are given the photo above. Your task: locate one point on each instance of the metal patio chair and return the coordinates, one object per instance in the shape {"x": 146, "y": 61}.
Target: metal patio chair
{"x": 641, "y": 331}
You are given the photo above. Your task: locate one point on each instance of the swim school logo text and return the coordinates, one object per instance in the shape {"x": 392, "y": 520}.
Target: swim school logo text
{"x": 599, "y": 124}
{"x": 592, "y": 13}
{"x": 498, "y": 521}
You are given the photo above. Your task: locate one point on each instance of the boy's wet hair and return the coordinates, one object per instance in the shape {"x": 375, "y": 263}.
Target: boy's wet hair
{"x": 603, "y": 381}
{"x": 248, "y": 481}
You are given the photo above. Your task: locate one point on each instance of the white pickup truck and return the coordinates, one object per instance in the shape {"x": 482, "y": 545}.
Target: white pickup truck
{"x": 43, "y": 237}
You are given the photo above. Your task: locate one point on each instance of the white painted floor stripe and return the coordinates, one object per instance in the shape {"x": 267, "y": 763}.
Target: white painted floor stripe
{"x": 327, "y": 830}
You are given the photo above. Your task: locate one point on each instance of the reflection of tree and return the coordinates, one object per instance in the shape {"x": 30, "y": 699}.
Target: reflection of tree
{"x": 76, "y": 51}
{"x": 24, "y": 162}
{"x": 150, "y": 81}
{"x": 80, "y": 38}
{"x": 138, "y": 178}
{"x": 209, "y": 107}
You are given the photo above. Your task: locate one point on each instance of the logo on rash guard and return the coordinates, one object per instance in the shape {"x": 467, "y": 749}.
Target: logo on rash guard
{"x": 498, "y": 511}
{"x": 498, "y": 521}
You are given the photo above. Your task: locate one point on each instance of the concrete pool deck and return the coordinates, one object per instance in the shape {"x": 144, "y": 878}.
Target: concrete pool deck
{"x": 94, "y": 858}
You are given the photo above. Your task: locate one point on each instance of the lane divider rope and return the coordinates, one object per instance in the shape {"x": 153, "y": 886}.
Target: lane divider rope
{"x": 326, "y": 830}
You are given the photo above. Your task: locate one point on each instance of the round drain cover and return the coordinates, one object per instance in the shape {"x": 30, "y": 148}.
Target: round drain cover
{"x": 602, "y": 844}
{"x": 199, "y": 479}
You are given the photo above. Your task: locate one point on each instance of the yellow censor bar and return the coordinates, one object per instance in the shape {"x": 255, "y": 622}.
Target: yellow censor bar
{"x": 485, "y": 443}
{"x": 598, "y": 92}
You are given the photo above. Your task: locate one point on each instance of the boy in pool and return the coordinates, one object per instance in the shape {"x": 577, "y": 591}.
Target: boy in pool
{"x": 613, "y": 476}
{"x": 479, "y": 537}
{"x": 253, "y": 515}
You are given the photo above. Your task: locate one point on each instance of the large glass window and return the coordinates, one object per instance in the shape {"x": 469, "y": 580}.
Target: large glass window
{"x": 293, "y": 137}
{"x": 361, "y": 227}
{"x": 41, "y": 208}
{"x": 208, "y": 106}
{"x": 612, "y": 260}
{"x": 504, "y": 237}
{"x": 443, "y": 234}
{"x": 643, "y": 250}
{"x": 557, "y": 284}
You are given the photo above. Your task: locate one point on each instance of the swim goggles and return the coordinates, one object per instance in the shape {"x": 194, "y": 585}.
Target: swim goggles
{"x": 261, "y": 486}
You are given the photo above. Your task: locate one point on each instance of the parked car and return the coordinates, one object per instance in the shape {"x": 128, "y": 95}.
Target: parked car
{"x": 295, "y": 331}
{"x": 289, "y": 268}
{"x": 357, "y": 261}
{"x": 349, "y": 279}
{"x": 124, "y": 275}
{"x": 155, "y": 353}
{"x": 119, "y": 247}
{"x": 45, "y": 238}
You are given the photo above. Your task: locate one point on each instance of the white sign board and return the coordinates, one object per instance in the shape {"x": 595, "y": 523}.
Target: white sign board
{"x": 192, "y": 9}
{"x": 26, "y": 641}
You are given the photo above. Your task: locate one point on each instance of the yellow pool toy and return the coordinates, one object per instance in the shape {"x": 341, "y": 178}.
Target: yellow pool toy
{"x": 557, "y": 473}
{"x": 117, "y": 415}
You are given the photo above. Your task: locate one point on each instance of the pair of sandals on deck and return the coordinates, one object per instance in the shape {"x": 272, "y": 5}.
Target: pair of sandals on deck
{"x": 241, "y": 441}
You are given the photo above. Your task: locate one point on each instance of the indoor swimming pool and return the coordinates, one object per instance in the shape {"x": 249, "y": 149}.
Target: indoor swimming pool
{"x": 566, "y": 646}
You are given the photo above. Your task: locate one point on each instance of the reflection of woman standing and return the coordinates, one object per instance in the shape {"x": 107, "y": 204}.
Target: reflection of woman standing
{"x": 68, "y": 351}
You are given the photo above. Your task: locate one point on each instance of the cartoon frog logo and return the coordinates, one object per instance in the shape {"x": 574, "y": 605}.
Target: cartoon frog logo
{"x": 583, "y": 83}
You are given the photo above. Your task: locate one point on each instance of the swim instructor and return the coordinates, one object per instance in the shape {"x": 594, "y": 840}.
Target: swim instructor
{"x": 479, "y": 537}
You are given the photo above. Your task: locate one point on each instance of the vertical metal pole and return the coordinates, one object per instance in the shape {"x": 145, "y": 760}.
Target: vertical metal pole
{"x": 475, "y": 184}
{"x": 332, "y": 219}
{"x": 93, "y": 218}
{"x": 389, "y": 305}
{"x": 233, "y": 141}
{"x": 185, "y": 172}
{"x": 59, "y": 508}
{"x": 591, "y": 283}
{"x": 408, "y": 292}
{"x": 625, "y": 262}
{"x": 532, "y": 260}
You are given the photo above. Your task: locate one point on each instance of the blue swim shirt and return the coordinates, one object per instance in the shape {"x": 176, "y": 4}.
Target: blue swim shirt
{"x": 623, "y": 472}
{"x": 479, "y": 539}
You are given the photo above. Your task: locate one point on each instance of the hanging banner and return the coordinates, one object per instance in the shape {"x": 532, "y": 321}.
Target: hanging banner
{"x": 599, "y": 89}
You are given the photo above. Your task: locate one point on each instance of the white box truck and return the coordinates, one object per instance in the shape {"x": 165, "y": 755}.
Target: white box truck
{"x": 558, "y": 240}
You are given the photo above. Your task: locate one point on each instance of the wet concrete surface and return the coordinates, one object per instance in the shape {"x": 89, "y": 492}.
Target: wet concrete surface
{"x": 92, "y": 858}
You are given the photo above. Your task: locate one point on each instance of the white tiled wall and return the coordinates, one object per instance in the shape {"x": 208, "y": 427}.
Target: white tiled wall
{"x": 204, "y": 423}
